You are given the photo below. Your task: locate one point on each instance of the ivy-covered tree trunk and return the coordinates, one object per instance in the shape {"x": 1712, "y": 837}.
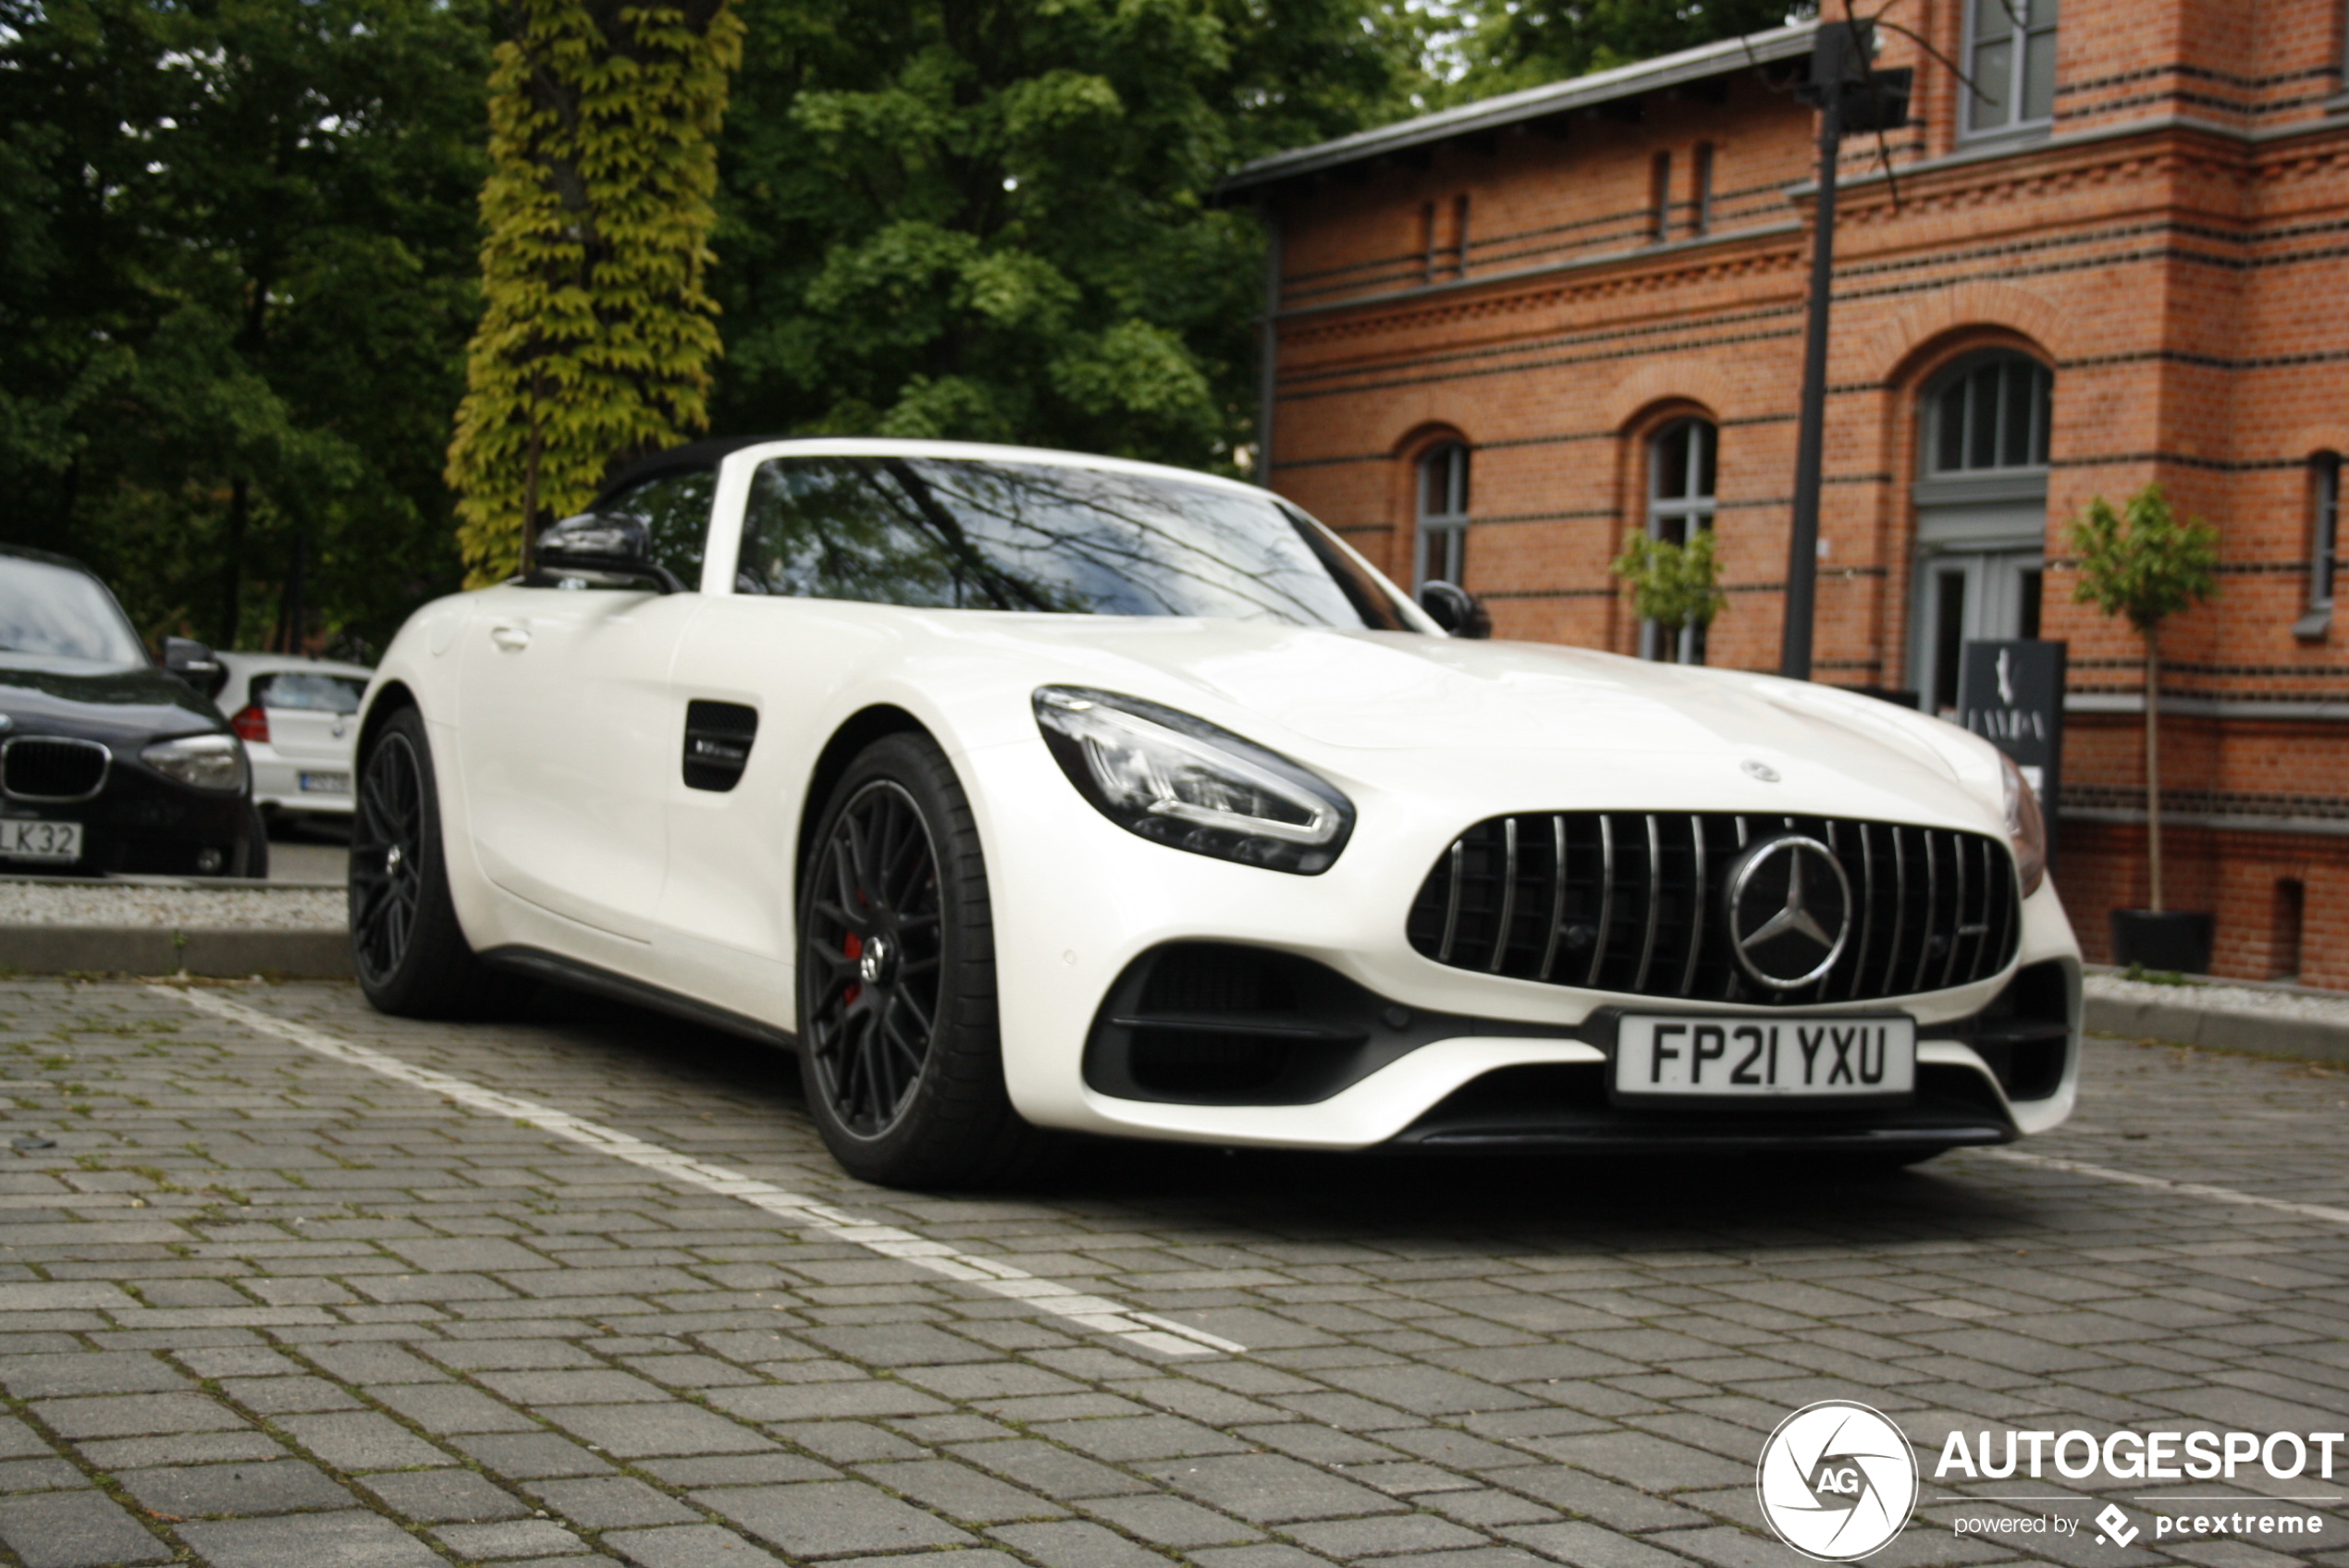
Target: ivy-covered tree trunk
{"x": 597, "y": 331}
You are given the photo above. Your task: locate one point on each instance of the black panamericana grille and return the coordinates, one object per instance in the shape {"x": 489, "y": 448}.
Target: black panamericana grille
{"x": 1631, "y": 901}
{"x": 36, "y": 767}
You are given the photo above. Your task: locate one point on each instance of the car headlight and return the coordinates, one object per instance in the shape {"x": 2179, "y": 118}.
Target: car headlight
{"x": 201, "y": 762}
{"x": 1183, "y": 782}
{"x": 2027, "y": 825}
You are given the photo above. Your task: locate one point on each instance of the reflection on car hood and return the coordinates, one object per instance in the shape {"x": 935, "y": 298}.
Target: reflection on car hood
{"x": 127, "y": 702}
{"x": 1389, "y": 691}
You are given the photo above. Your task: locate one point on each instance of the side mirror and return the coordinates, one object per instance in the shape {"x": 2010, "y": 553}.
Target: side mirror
{"x": 617, "y": 545}
{"x": 1457, "y": 611}
{"x": 195, "y": 663}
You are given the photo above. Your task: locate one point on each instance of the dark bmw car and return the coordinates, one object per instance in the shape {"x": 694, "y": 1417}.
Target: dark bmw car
{"x": 107, "y": 764}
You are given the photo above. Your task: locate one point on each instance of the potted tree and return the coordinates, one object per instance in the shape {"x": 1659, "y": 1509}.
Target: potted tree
{"x": 2147, "y": 563}
{"x": 1673, "y": 585}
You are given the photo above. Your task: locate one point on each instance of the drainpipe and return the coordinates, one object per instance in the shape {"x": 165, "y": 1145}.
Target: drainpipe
{"x": 1268, "y": 341}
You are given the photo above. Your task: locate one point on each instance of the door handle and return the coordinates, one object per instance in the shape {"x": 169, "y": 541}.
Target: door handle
{"x": 512, "y": 639}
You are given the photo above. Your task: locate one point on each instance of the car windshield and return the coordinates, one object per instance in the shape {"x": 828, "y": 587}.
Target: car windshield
{"x": 56, "y": 618}
{"x": 962, "y": 534}
{"x": 283, "y": 689}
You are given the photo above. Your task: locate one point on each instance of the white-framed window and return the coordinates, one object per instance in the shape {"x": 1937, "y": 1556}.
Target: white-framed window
{"x": 1990, "y": 414}
{"x": 1442, "y": 555}
{"x": 2010, "y": 55}
{"x": 1683, "y": 464}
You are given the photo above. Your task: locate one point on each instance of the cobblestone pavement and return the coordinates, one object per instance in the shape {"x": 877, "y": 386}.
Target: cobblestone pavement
{"x": 262, "y": 1306}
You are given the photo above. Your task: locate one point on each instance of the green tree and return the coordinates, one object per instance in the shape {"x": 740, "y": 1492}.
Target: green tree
{"x": 596, "y": 332}
{"x": 989, "y": 219}
{"x": 1673, "y": 585}
{"x": 1505, "y": 44}
{"x": 235, "y": 277}
{"x": 2146, "y": 563}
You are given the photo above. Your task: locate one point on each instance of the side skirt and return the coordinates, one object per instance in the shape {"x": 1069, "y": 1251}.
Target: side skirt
{"x": 536, "y": 963}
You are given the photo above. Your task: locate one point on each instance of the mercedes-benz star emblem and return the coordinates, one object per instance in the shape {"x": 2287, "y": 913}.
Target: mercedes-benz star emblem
{"x": 1789, "y": 909}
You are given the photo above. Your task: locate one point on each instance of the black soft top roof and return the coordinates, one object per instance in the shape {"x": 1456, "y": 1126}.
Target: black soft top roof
{"x": 678, "y": 460}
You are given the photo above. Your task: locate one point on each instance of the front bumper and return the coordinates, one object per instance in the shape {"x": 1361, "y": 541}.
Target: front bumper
{"x": 1208, "y": 1024}
{"x": 143, "y": 824}
{"x": 1066, "y": 940}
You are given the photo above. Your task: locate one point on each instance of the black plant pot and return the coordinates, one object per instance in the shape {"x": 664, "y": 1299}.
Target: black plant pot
{"x": 2174, "y": 940}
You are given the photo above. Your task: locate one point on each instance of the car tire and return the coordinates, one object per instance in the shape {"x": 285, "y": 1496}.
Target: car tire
{"x": 256, "y": 855}
{"x": 900, "y": 1052}
{"x": 409, "y": 954}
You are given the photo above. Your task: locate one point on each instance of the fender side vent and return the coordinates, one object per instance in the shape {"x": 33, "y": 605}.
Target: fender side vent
{"x": 718, "y": 742}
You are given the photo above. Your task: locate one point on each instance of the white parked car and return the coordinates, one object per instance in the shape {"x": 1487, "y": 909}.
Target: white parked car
{"x": 1018, "y": 790}
{"x": 298, "y": 720}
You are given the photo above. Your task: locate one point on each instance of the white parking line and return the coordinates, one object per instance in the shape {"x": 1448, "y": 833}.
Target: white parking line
{"x": 2190, "y": 1189}
{"x": 1092, "y": 1313}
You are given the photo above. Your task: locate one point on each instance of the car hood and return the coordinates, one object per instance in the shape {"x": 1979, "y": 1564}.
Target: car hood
{"x": 128, "y": 701}
{"x": 1358, "y": 700}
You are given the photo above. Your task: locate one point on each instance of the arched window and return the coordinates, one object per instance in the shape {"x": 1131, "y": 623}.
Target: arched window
{"x": 1683, "y": 463}
{"x": 1444, "y": 515}
{"x": 2324, "y": 543}
{"x": 1990, "y": 414}
{"x": 1980, "y": 513}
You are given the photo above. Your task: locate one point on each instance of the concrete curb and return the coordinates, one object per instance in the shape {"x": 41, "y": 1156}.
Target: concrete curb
{"x": 2223, "y": 1029}
{"x": 160, "y": 949}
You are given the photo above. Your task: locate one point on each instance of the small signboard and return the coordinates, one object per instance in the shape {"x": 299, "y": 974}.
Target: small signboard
{"x": 2011, "y": 694}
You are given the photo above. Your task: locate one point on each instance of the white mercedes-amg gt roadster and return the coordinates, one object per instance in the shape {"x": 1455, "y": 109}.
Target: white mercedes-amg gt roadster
{"x": 1019, "y": 790}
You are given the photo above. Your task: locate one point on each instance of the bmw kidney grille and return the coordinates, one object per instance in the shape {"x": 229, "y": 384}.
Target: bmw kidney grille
{"x": 38, "y": 767}
{"x": 1712, "y": 906}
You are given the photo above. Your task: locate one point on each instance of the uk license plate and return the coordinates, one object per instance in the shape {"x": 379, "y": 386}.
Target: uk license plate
{"x": 1792, "y": 1058}
{"x": 327, "y": 783}
{"x": 56, "y": 841}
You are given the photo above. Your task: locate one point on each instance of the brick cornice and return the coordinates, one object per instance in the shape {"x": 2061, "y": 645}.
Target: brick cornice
{"x": 1776, "y": 248}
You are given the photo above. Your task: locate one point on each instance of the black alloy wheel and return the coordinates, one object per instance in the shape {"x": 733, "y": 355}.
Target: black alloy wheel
{"x": 386, "y": 859}
{"x": 875, "y": 936}
{"x": 409, "y": 951}
{"x": 899, "y": 1049}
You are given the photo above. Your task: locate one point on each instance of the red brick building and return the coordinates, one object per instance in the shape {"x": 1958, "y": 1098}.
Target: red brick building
{"x": 1503, "y": 337}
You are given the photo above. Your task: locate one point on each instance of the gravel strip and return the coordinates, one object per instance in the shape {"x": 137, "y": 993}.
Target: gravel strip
{"x": 184, "y": 908}
{"x": 2250, "y": 1000}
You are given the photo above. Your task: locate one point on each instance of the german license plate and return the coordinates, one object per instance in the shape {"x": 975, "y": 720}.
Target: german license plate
{"x": 20, "y": 839}
{"x": 327, "y": 783}
{"x": 1793, "y": 1057}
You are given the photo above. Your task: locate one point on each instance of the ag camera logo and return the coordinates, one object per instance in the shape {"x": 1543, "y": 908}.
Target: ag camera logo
{"x": 1837, "y": 1480}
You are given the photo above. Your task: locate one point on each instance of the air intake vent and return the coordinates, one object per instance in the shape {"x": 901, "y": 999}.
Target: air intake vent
{"x": 1633, "y": 903}
{"x": 36, "y": 767}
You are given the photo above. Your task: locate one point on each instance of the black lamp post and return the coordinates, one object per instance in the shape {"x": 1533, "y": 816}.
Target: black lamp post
{"x": 1852, "y": 96}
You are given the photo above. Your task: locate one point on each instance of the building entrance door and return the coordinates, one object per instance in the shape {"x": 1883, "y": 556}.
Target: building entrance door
{"x": 1982, "y": 514}
{"x": 1969, "y": 597}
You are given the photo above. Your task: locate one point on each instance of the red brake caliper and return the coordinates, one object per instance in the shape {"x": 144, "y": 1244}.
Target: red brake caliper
{"x": 854, "y": 946}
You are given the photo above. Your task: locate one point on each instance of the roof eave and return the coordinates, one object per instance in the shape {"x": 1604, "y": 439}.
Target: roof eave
{"x": 1709, "y": 60}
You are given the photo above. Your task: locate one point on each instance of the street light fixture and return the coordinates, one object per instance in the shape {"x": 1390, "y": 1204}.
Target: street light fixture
{"x": 1851, "y": 95}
